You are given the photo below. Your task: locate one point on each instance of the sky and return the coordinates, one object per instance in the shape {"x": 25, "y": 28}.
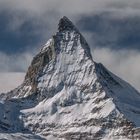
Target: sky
{"x": 112, "y": 29}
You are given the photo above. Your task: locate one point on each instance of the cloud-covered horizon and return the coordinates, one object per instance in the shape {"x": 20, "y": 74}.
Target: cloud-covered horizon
{"x": 15, "y": 62}
{"x": 10, "y": 80}
{"x": 112, "y": 29}
{"x": 123, "y": 63}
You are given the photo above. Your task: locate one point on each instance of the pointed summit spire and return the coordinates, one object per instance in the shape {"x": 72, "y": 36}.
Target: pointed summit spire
{"x": 65, "y": 24}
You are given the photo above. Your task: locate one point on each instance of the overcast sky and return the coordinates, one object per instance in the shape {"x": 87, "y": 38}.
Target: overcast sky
{"x": 112, "y": 29}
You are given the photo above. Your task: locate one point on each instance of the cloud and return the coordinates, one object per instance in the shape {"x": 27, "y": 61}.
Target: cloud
{"x": 23, "y": 31}
{"x": 9, "y": 81}
{"x": 124, "y": 63}
{"x": 69, "y": 6}
{"x": 113, "y": 32}
{"x": 15, "y": 62}
{"x": 48, "y": 10}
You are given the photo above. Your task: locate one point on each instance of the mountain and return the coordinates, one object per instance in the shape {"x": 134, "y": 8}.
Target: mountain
{"x": 68, "y": 96}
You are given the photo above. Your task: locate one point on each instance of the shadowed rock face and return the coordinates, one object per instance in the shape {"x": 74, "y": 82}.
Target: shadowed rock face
{"x": 37, "y": 65}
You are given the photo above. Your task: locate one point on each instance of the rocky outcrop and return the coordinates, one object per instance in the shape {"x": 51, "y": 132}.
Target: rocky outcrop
{"x": 38, "y": 64}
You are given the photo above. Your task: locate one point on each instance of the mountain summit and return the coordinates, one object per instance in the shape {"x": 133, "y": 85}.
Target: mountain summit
{"x": 66, "y": 95}
{"x": 65, "y": 24}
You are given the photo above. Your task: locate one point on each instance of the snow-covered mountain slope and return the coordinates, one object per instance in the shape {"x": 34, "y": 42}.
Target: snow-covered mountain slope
{"x": 66, "y": 96}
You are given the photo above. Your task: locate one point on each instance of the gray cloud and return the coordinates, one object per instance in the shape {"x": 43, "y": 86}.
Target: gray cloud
{"x": 9, "y": 81}
{"x": 15, "y": 62}
{"x": 113, "y": 32}
{"x": 70, "y": 6}
{"x": 53, "y": 9}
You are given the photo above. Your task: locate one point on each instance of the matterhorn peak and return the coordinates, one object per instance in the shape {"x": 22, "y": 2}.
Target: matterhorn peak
{"x": 68, "y": 33}
{"x": 65, "y": 49}
{"x": 66, "y": 95}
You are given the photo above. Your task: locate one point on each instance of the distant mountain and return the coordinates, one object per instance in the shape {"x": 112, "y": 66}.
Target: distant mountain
{"x": 68, "y": 96}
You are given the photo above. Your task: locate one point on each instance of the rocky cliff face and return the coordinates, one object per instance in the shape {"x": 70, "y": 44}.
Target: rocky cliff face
{"x": 37, "y": 65}
{"x": 66, "y": 95}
